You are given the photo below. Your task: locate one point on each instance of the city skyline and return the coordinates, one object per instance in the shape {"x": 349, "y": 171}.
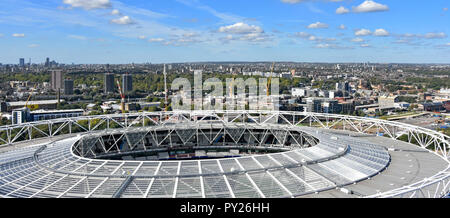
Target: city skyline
{"x": 119, "y": 32}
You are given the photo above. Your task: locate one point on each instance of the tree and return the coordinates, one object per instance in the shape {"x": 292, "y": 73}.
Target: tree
{"x": 152, "y": 109}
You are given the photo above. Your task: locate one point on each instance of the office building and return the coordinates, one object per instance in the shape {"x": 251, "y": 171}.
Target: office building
{"x": 109, "y": 83}
{"x": 22, "y": 62}
{"x": 68, "y": 87}
{"x": 343, "y": 86}
{"x": 47, "y": 62}
{"x": 3, "y": 107}
{"x": 327, "y": 105}
{"x": 127, "y": 83}
{"x": 314, "y": 105}
{"x": 54, "y": 114}
{"x": 20, "y": 115}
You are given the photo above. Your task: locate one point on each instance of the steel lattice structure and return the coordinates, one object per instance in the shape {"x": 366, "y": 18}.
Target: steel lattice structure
{"x": 72, "y": 167}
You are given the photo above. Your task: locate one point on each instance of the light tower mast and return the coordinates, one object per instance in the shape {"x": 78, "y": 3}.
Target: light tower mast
{"x": 122, "y": 98}
{"x": 165, "y": 89}
{"x": 270, "y": 79}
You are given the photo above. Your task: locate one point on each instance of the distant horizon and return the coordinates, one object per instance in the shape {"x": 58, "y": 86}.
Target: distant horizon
{"x": 197, "y": 62}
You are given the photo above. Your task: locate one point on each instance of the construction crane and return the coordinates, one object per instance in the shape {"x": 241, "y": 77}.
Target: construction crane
{"x": 270, "y": 79}
{"x": 122, "y": 98}
{"x": 29, "y": 97}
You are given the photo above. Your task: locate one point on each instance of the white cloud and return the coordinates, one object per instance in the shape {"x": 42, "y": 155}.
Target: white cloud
{"x": 370, "y": 6}
{"x": 408, "y": 35}
{"x": 255, "y": 37}
{"x": 182, "y": 39}
{"x": 324, "y": 46}
{"x": 88, "y": 4}
{"x": 77, "y": 37}
{"x": 33, "y": 45}
{"x": 381, "y": 32}
{"x": 142, "y": 37}
{"x": 115, "y": 12}
{"x": 435, "y": 35}
{"x": 357, "y": 40}
{"x": 156, "y": 40}
{"x": 342, "y": 10}
{"x": 403, "y": 41}
{"x": 303, "y": 34}
{"x": 125, "y": 20}
{"x": 363, "y": 32}
{"x": 331, "y": 46}
{"x": 365, "y": 45}
{"x": 18, "y": 35}
{"x": 307, "y": 36}
{"x": 445, "y": 9}
{"x": 317, "y": 25}
{"x": 312, "y": 38}
{"x": 241, "y": 28}
{"x": 342, "y": 27}
{"x": 418, "y": 39}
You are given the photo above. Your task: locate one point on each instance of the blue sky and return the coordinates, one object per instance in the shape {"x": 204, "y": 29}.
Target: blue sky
{"x": 158, "y": 31}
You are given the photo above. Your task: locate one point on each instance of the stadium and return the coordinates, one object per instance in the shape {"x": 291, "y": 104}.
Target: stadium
{"x": 222, "y": 154}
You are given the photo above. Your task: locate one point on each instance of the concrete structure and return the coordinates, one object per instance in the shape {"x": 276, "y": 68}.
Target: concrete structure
{"x": 304, "y": 92}
{"x": 387, "y": 101}
{"x": 57, "y": 79}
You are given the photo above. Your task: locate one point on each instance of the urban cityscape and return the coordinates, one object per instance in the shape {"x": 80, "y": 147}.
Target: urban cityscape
{"x": 358, "y": 106}
{"x": 386, "y": 91}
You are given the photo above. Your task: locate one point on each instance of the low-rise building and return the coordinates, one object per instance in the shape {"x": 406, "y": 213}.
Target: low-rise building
{"x": 43, "y": 104}
{"x": 432, "y": 106}
{"x": 24, "y": 115}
